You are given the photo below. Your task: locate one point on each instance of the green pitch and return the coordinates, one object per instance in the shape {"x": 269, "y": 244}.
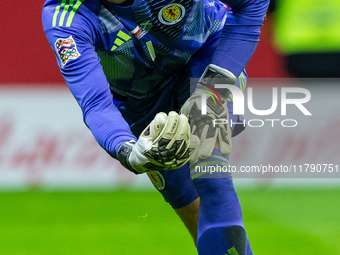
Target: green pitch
{"x": 278, "y": 222}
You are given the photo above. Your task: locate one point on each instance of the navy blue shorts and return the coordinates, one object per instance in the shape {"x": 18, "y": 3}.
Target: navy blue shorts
{"x": 176, "y": 186}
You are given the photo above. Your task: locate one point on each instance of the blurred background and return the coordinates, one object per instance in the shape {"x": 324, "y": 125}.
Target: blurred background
{"x": 60, "y": 193}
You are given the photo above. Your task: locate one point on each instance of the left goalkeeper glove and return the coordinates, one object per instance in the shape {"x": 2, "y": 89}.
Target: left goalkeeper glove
{"x": 163, "y": 145}
{"x": 204, "y": 131}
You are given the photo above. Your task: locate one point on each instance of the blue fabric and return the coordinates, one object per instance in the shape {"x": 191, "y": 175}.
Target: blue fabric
{"x": 120, "y": 87}
{"x": 240, "y": 34}
{"x": 220, "y": 211}
{"x": 179, "y": 189}
{"x": 91, "y": 75}
{"x": 229, "y": 56}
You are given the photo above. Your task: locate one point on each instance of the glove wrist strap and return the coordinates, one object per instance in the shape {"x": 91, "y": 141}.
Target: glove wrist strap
{"x": 219, "y": 74}
{"x": 123, "y": 155}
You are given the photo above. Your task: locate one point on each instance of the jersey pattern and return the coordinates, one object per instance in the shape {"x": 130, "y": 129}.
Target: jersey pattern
{"x": 143, "y": 45}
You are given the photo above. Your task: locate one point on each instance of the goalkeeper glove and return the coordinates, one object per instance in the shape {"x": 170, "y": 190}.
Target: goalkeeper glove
{"x": 163, "y": 145}
{"x": 204, "y": 130}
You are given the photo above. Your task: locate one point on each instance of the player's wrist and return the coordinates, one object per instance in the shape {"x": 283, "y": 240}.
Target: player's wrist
{"x": 163, "y": 145}
{"x": 123, "y": 155}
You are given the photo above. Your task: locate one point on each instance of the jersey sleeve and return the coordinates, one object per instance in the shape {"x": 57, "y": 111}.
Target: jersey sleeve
{"x": 80, "y": 66}
{"x": 240, "y": 34}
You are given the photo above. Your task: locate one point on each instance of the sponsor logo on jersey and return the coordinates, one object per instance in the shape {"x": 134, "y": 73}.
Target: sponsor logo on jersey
{"x": 120, "y": 40}
{"x": 66, "y": 49}
{"x": 157, "y": 179}
{"x": 171, "y": 14}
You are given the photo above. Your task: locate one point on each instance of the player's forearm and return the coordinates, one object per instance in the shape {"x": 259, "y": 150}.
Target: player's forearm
{"x": 245, "y": 19}
{"x": 99, "y": 112}
{"x": 234, "y": 54}
{"x": 241, "y": 33}
{"x": 109, "y": 128}
{"x": 89, "y": 86}
{"x": 246, "y": 12}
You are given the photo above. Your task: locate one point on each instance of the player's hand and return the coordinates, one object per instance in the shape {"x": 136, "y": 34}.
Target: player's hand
{"x": 163, "y": 145}
{"x": 209, "y": 128}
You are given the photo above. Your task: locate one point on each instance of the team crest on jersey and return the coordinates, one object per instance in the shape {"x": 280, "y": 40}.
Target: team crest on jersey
{"x": 157, "y": 179}
{"x": 66, "y": 49}
{"x": 171, "y": 14}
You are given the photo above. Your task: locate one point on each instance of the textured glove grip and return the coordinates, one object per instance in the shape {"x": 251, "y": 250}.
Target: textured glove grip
{"x": 123, "y": 155}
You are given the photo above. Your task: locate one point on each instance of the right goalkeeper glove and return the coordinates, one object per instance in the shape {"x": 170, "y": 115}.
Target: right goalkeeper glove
{"x": 204, "y": 131}
{"x": 163, "y": 145}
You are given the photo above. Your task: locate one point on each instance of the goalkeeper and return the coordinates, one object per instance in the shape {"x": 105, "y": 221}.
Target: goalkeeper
{"x": 128, "y": 64}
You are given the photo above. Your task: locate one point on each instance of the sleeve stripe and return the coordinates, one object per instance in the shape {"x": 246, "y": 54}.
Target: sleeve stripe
{"x": 57, "y": 10}
{"x": 66, "y": 8}
{"x": 73, "y": 12}
{"x": 62, "y": 17}
{"x": 54, "y": 23}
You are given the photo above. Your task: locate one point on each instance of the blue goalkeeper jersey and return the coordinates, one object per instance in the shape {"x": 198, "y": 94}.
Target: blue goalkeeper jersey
{"x": 130, "y": 51}
{"x": 140, "y": 45}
